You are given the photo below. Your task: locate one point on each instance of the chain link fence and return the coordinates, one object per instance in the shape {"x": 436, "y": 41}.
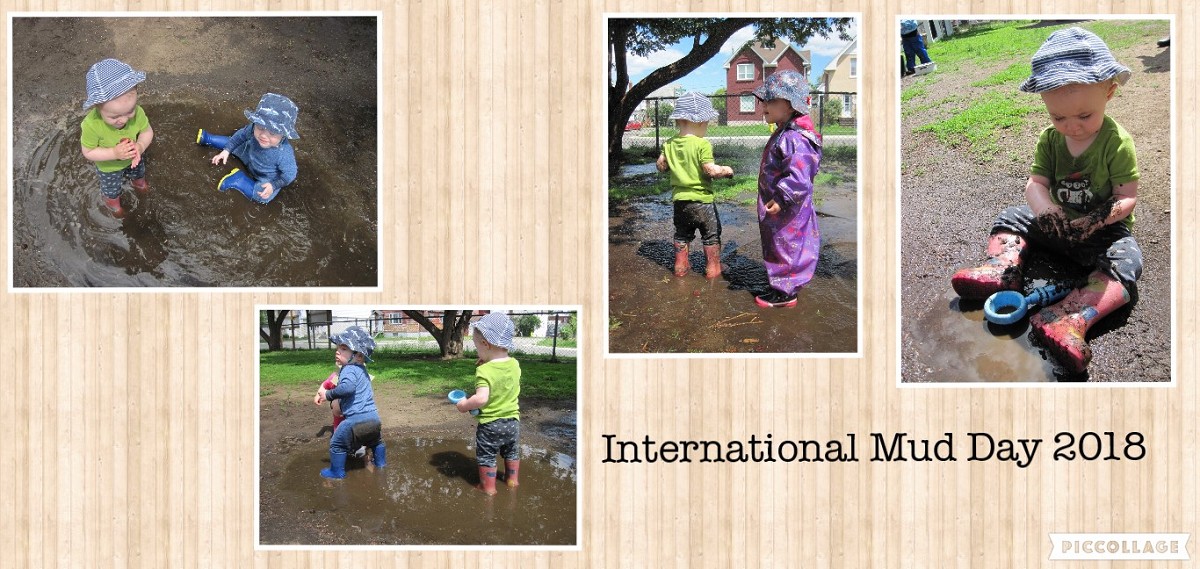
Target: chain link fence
{"x": 541, "y": 333}
{"x": 740, "y": 121}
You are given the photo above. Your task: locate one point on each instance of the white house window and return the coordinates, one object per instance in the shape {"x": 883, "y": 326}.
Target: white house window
{"x": 854, "y": 67}
{"x": 396, "y": 317}
{"x": 745, "y": 72}
{"x": 847, "y": 105}
{"x": 746, "y": 104}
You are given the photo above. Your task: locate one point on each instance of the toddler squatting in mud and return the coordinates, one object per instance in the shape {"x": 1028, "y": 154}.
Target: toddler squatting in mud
{"x": 1080, "y": 195}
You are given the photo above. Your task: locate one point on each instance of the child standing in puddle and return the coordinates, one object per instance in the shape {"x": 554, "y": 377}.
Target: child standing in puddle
{"x": 360, "y": 425}
{"x": 497, "y": 390}
{"x": 787, "y": 219}
{"x": 262, "y": 145}
{"x": 1080, "y": 197}
{"x": 115, "y": 133}
{"x": 689, "y": 157}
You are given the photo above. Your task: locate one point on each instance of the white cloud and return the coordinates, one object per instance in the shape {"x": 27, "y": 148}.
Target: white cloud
{"x": 833, "y": 44}
{"x": 642, "y": 65}
{"x": 738, "y": 38}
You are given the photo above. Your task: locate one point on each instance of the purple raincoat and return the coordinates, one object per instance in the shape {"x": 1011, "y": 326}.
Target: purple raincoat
{"x": 791, "y": 240}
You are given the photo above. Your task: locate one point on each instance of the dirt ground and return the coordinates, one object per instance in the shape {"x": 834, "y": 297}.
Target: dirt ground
{"x": 950, "y": 199}
{"x": 216, "y": 66}
{"x": 291, "y": 425}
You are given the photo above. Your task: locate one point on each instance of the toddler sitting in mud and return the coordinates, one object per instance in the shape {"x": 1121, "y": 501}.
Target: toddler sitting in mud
{"x": 360, "y": 425}
{"x": 689, "y": 157}
{"x": 262, "y": 145}
{"x": 115, "y": 133}
{"x": 1080, "y": 195}
{"x": 787, "y": 219}
{"x": 497, "y": 389}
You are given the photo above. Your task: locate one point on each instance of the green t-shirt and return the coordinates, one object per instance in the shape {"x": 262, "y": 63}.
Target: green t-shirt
{"x": 503, "y": 380}
{"x": 684, "y": 155}
{"x": 1079, "y": 184}
{"x": 97, "y": 134}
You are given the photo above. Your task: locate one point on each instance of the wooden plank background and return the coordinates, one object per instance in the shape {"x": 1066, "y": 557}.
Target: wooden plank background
{"x": 132, "y": 443}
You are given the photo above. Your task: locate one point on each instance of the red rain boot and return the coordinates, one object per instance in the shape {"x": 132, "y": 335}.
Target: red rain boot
{"x": 1062, "y": 328}
{"x": 712, "y": 256}
{"x": 510, "y": 472}
{"x": 487, "y": 480}
{"x": 114, "y": 205}
{"x": 681, "y": 259}
{"x": 1001, "y": 271}
{"x": 141, "y": 185}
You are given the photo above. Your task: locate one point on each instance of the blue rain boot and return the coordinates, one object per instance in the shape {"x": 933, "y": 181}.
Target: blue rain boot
{"x": 380, "y": 456}
{"x": 214, "y": 140}
{"x": 238, "y": 180}
{"x": 337, "y": 466}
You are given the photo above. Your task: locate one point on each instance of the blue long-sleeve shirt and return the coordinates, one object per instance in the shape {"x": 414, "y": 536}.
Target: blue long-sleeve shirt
{"x": 275, "y": 165}
{"x": 354, "y": 390}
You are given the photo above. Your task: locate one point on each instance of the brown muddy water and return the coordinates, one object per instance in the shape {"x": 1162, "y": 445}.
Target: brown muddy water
{"x": 952, "y": 342}
{"x": 320, "y": 231}
{"x": 652, "y": 311}
{"x": 424, "y": 496}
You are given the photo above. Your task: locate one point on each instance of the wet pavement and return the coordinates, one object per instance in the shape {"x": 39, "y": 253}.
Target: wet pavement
{"x": 652, "y": 311}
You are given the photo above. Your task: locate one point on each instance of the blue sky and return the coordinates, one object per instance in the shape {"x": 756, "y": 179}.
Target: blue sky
{"x": 711, "y": 76}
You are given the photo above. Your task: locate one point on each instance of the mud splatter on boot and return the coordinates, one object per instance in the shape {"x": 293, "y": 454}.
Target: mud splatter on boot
{"x": 1001, "y": 271}
{"x": 1062, "y": 328}
{"x": 681, "y": 259}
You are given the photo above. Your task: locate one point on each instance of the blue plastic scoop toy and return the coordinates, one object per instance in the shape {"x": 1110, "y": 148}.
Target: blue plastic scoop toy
{"x": 458, "y": 395}
{"x": 1008, "y": 306}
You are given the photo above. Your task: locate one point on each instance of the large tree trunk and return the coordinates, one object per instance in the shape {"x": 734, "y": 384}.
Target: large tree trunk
{"x": 449, "y": 336}
{"x": 274, "y": 333}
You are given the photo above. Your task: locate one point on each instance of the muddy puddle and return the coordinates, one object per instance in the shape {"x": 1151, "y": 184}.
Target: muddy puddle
{"x": 320, "y": 230}
{"x": 652, "y": 311}
{"x": 424, "y": 496}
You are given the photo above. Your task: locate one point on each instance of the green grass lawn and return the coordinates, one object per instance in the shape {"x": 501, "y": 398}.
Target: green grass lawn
{"x": 429, "y": 374}
{"x": 974, "y": 116}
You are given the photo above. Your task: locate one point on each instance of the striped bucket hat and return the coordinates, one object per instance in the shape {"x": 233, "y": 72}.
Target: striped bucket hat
{"x": 1073, "y": 56}
{"x": 497, "y": 329}
{"x": 788, "y": 85}
{"x": 109, "y": 79}
{"x": 693, "y": 107}
{"x": 277, "y": 114}
{"x": 357, "y": 339}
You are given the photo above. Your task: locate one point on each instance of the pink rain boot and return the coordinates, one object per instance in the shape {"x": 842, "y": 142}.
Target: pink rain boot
{"x": 681, "y": 259}
{"x": 114, "y": 205}
{"x": 1001, "y": 271}
{"x": 712, "y": 260}
{"x": 1062, "y": 328}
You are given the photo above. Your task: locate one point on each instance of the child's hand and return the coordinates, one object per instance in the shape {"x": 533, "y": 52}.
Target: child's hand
{"x": 726, "y": 171}
{"x": 222, "y": 157}
{"x": 771, "y": 207}
{"x": 267, "y": 189}
{"x": 1084, "y": 227}
{"x": 126, "y": 150}
{"x": 1052, "y": 221}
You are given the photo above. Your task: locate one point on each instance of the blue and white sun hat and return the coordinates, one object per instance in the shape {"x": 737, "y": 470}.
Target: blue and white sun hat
{"x": 1073, "y": 56}
{"x": 277, "y": 114}
{"x": 497, "y": 329}
{"x": 693, "y": 107}
{"x": 109, "y": 79}
{"x": 357, "y": 339}
{"x": 788, "y": 85}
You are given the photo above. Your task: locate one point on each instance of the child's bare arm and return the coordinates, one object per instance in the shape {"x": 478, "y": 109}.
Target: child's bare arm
{"x": 99, "y": 154}
{"x": 477, "y": 401}
{"x": 661, "y": 163}
{"x": 714, "y": 171}
{"x": 1124, "y": 198}
{"x": 1037, "y": 194}
{"x": 144, "y": 139}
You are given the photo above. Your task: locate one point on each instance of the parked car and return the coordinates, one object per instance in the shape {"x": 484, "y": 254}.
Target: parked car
{"x": 633, "y": 125}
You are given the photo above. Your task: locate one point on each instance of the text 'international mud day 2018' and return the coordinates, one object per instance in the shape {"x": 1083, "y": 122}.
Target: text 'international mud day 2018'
{"x": 883, "y": 447}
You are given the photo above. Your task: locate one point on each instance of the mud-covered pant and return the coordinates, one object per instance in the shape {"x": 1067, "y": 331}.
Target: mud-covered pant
{"x": 692, "y": 216}
{"x": 363, "y": 429}
{"x": 1111, "y": 249}
{"x": 111, "y": 182}
{"x": 499, "y": 437}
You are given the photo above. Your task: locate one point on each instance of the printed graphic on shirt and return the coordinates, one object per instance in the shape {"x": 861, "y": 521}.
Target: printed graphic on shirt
{"x": 1075, "y": 192}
